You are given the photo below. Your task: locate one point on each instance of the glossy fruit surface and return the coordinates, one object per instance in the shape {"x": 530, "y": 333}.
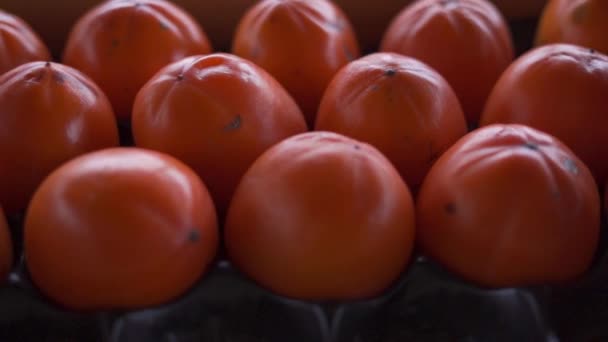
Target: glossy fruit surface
{"x": 559, "y": 89}
{"x": 509, "y": 205}
{"x": 580, "y": 22}
{"x": 467, "y": 41}
{"x": 302, "y": 43}
{"x": 320, "y": 216}
{"x": 217, "y": 113}
{"x": 120, "y": 44}
{"x": 49, "y": 113}
{"x": 120, "y": 228}
{"x": 396, "y": 103}
{"x": 19, "y": 44}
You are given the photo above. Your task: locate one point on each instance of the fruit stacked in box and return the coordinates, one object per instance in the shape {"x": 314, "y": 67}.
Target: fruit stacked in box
{"x": 310, "y": 172}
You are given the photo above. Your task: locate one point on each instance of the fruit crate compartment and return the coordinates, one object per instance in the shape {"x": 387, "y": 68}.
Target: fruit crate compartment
{"x": 426, "y": 304}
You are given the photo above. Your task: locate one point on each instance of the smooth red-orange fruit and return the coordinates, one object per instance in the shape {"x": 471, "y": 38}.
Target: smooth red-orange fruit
{"x": 467, "y": 41}
{"x": 49, "y": 113}
{"x": 320, "y": 216}
{"x": 217, "y": 113}
{"x": 121, "y": 44}
{"x": 302, "y": 43}
{"x": 120, "y": 228}
{"x": 560, "y": 89}
{"x": 579, "y": 22}
{"x": 509, "y": 205}
{"x": 398, "y": 104}
{"x": 19, "y": 43}
{"x": 6, "y": 248}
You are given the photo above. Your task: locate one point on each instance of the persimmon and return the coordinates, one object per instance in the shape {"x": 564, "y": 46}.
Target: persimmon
{"x": 302, "y": 43}
{"x": 19, "y": 43}
{"x": 509, "y": 205}
{"x": 6, "y": 247}
{"x": 120, "y": 228}
{"x": 217, "y": 113}
{"x": 559, "y": 89}
{"x": 579, "y": 22}
{"x": 320, "y": 216}
{"x": 467, "y": 41}
{"x": 49, "y": 113}
{"x": 398, "y": 104}
{"x": 121, "y": 44}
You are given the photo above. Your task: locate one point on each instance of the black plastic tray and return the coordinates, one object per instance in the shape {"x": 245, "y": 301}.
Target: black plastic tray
{"x": 426, "y": 304}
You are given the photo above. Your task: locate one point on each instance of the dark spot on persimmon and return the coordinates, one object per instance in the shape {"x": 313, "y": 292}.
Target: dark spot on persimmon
{"x": 350, "y": 56}
{"x": 357, "y": 147}
{"x": 571, "y": 166}
{"x": 85, "y": 86}
{"x": 592, "y": 51}
{"x": 234, "y": 124}
{"x": 47, "y": 64}
{"x": 556, "y": 193}
{"x": 447, "y": 2}
{"x": 450, "y": 208}
{"x": 58, "y": 77}
{"x": 336, "y": 25}
{"x": 194, "y": 235}
{"x": 531, "y": 146}
{"x": 163, "y": 25}
{"x": 180, "y": 77}
{"x": 115, "y": 43}
{"x": 390, "y": 72}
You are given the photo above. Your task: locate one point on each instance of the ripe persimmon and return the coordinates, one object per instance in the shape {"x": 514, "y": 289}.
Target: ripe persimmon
{"x": 302, "y": 43}
{"x": 509, "y": 205}
{"x": 19, "y": 43}
{"x": 217, "y": 113}
{"x": 120, "y": 44}
{"x": 467, "y": 41}
{"x": 320, "y": 216}
{"x": 49, "y": 113}
{"x": 120, "y": 228}
{"x": 559, "y": 89}
{"x": 398, "y": 104}
{"x": 579, "y": 22}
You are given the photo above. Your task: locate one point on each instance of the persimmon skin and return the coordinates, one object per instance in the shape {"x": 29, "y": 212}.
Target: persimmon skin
{"x": 508, "y": 205}
{"x": 579, "y": 22}
{"x": 398, "y": 104}
{"x": 120, "y": 228}
{"x": 120, "y": 44}
{"x": 559, "y": 89}
{"x": 467, "y": 41}
{"x": 49, "y": 113}
{"x": 320, "y": 216}
{"x": 19, "y": 43}
{"x": 217, "y": 113}
{"x": 302, "y": 43}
